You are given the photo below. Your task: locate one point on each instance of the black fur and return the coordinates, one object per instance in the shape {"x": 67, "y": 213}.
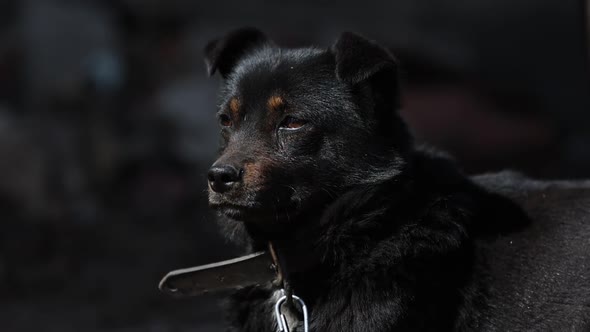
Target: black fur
{"x": 377, "y": 234}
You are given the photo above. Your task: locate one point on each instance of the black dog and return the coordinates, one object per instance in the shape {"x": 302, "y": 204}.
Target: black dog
{"x": 374, "y": 233}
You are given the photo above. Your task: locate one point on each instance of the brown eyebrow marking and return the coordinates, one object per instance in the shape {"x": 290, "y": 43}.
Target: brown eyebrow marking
{"x": 275, "y": 102}
{"x": 234, "y": 106}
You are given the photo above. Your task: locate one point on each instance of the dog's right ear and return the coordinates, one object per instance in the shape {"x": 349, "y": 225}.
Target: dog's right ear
{"x": 223, "y": 54}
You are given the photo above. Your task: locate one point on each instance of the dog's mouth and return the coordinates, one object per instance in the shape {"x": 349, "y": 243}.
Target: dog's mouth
{"x": 254, "y": 207}
{"x": 240, "y": 212}
{"x": 258, "y": 212}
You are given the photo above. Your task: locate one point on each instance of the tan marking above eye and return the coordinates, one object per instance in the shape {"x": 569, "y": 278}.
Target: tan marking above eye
{"x": 275, "y": 102}
{"x": 234, "y": 105}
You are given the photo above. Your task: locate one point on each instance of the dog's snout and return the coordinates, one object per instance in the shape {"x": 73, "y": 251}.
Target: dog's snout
{"x": 223, "y": 177}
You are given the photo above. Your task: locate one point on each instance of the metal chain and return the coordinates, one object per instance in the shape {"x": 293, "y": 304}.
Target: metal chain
{"x": 282, "y": 320}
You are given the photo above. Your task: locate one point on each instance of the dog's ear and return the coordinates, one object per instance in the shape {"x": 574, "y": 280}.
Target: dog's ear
{"x": 361, "y": 61}
{"x": 373, "y": 72}
{"x": 358, "y": 59}
{"x": 222, "y": 54}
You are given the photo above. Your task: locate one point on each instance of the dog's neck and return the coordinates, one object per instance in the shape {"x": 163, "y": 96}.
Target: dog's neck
{"x": 293, "y": 244}
{"x": 302, "y": 246}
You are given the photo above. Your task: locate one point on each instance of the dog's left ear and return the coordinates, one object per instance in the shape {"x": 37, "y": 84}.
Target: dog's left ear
{"x": 358, "y": 59}
{"x": 223, "y": 54}
{"x": 373, "y": 71}
{"x": 361, "y": 61}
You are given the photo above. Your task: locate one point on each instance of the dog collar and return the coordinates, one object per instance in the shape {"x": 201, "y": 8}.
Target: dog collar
{"x": 254, "y": 269}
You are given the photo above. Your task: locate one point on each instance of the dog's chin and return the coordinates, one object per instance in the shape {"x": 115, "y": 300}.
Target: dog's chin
{"x": 234, "y": 212}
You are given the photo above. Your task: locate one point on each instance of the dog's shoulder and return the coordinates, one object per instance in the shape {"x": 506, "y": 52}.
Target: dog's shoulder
{"x": 546, "y": 202}
{"x": 541, "y": 270}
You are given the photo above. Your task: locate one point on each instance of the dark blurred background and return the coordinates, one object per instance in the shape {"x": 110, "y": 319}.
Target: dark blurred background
{"x": 107, "y": 130}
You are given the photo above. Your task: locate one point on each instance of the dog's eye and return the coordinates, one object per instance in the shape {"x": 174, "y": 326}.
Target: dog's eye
{"x": 292, "y": 123}
{"x": 225, "y": 120}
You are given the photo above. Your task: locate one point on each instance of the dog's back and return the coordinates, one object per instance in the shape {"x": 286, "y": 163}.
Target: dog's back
{"x": 540, "y": 275}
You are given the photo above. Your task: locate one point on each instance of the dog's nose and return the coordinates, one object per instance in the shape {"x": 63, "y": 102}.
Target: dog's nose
{"x": 223, "y": 177}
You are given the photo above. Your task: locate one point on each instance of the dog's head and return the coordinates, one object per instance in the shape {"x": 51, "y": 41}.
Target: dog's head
{"x": 301, "y": 126}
